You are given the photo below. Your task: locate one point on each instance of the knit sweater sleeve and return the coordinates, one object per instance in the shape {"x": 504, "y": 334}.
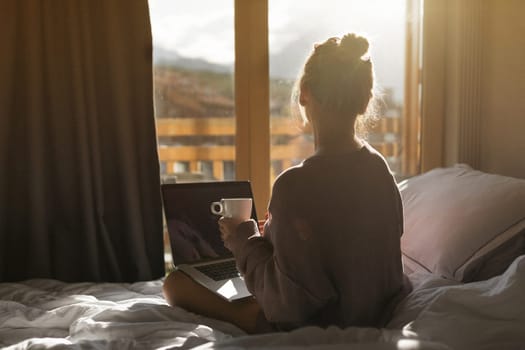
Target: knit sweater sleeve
{"x": 284, "y": 269}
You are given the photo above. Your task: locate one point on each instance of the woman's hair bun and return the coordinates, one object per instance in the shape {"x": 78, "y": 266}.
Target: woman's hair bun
{"x": 354, "y": 46}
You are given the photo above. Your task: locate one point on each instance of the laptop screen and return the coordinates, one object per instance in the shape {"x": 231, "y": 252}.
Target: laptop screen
{"x": 192, "y": 228}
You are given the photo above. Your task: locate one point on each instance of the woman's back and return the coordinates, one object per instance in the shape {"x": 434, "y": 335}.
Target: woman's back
{"x": 347, "y": 212}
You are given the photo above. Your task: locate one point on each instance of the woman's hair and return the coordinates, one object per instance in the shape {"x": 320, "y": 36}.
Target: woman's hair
{"x": 340, "y": 78}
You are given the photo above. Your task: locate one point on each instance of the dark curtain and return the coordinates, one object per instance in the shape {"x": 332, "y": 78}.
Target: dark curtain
{"x": 79, "y": 170}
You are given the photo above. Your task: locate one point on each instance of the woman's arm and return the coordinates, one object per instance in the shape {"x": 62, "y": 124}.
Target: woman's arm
{"x": 284, "y": 269}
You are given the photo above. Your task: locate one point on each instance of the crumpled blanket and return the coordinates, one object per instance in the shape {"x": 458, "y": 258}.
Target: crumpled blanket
{"x": 438, "y": 314}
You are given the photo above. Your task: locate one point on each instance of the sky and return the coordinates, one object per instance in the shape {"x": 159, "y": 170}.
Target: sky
{"x": 204, "y": 29}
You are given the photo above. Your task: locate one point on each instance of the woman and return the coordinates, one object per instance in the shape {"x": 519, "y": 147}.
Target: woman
{"x": 330, "y": 254}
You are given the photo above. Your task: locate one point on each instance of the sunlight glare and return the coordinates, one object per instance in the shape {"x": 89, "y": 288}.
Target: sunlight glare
{"x": 228, "y": 290}
{"x": 408, "y": 344}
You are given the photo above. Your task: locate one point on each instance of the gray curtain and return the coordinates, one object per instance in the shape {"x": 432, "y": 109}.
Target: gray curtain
{"x": 79, "y": 170}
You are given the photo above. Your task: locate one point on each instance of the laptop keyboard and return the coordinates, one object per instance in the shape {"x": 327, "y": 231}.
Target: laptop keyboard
{"x": 220, "y": 271}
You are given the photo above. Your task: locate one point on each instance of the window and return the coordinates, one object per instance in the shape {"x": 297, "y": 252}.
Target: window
{"x": 294, "y": 26}
{"x": 194, "y": 90}
{"x": 195, "y": 101}
{"x": 224, "y": 71}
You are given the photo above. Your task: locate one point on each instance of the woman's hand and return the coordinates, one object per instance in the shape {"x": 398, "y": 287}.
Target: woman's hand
{"x": 228, "y": 226}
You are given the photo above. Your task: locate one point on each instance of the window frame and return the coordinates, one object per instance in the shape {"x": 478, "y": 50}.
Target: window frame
{"x": 412, "y": 102}
{"x": 252, "y": 91}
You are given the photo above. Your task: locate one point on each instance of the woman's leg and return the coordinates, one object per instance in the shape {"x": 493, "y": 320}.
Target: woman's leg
{"x": 182, "y": 291}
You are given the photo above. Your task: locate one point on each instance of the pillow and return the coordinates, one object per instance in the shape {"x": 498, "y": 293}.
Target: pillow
{"x": 461, "y": 223}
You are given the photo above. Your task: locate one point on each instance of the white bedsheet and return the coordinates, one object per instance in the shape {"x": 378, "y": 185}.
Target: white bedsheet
{"x": 438, "y": 314}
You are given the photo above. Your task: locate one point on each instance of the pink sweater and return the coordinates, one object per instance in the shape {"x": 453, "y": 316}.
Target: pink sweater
{"x": 330, "y": 254}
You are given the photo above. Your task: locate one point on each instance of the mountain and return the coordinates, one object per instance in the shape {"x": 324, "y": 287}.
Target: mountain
{"x": 171, "y": 58}
{"x": 287, "y": 62}
{"x": 284, "y": 64}
{"x": 388, "y": 61}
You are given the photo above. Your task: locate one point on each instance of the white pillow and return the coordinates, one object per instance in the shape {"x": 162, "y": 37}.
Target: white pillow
{"x": 461, "y": 223}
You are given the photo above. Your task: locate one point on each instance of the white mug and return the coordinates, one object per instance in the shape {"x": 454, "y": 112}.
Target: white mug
{"x": 239, "y": 208}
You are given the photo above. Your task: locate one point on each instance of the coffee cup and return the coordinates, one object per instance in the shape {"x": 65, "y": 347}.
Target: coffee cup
{"x": 239, "y": 208}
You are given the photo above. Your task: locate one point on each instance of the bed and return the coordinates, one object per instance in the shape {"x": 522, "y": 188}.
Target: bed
{"x": 472, "y": 301}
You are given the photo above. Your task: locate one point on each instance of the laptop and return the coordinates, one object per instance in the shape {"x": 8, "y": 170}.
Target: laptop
{"x": 196, "y": 244}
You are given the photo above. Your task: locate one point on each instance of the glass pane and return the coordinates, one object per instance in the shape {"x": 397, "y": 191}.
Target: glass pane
{"x": 193, "y": 52}
{"x": 294, "y": 26}
{"x": 193, "y": 61}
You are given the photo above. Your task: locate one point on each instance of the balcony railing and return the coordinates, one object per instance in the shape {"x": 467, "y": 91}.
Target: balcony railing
{"x": 385, "y": 137}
